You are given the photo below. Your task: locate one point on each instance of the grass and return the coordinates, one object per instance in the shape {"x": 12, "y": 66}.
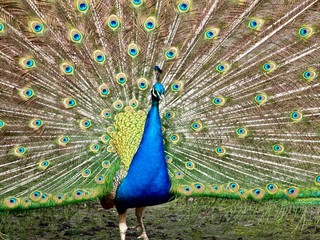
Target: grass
{"x": 182, "y": 219}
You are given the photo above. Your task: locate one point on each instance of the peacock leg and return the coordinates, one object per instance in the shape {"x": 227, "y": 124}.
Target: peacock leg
{"x": 139, "y": 212}
{"x": 122, "y": 225}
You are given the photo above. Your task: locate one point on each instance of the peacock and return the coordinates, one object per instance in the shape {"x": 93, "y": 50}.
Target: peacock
{"x": 137, "y": 102}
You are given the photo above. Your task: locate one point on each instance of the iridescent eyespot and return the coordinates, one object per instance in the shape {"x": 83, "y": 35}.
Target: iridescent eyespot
{"x": 36, "y": 123}
{"x": 260, "y": 98}
{"x": 317, "y": 180}
{"x": 2, "y": 27}
{"x": 306, "y": 32}
{"x": 63, "y": 140}
{"x": 242, "y": 132}
{"x": 269, "y": 66}
{"x": 36, "y": 27}
{"x": 169, "y": 114}
{"x": 26, "y": 93}
{"x": 190, "y": 165}
{"x": 278, "y": 148}
{"x": 105, "y": 139}
{"x": 137, "y": 3}
{"x": 19, "y": 151}
{"x": 309, "y": 75}
{"x": 216, "y": 188}
{"x": 99, "y": 57}
{"x": 219, "y": 101}
{"x": 103, "y": 90}
{"x": 110, "y": 129}
{"x": 44, "y": 198}
{"x": 43, "y": 164}
{"x": 198, "y": 187}
{"x": 234, "y": 187}
{"x": 184, "y": 6}
{"x": 82, "y": 6}
{"x": 78, "y": 194}
{"x": 106, "y": 113}
{"x": 150, "y": 24}
{"x": 143, "y": 84}
{"x": 94, "y": 148}
{"x": 2, "y": 123}
{"x": 75, "y": 36}
{"x": 35, "y": 196}
{"x": 59, "y": 198}
{"x": 105, "y": 164}
{"x": 255, "y": 24}
{"x": 27, "y": 63}
{"x": 223, "y": 67}
{"x": 168, "y": 159}
{"x": 133, "y": 103}
{"x": 121, "y": 79}
{"x": 174, "y": 138}
{"x": 11, "y": 202}
{"x": 196, "y": 126}
{"x": 69, "y": 102}
{"x": 220, "y": 151}
{"x": 113, "y": 22}
{"x": 257, "y": 193}
{"x": 211, "y": 33}
{"x": 176, "y": 86}
{"x": 99, "y": 179}
{"x": 178, "y": 175}
{"x": 133, "y": 50}
{"x": 85, "y": 123}
{"x": 118, "y": 105}
{"x": 25, "y": 201}
{"x": 296, "y": 116}
{"x": 171, "y": 53}
{"x": 67, "y": 69}
{"x": 272, "y": 188}
{"x": 86, "y": 173}
{"x": 292, "y": 192}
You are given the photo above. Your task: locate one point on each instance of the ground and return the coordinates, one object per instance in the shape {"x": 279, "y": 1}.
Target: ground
{"x": 181, "y": 219}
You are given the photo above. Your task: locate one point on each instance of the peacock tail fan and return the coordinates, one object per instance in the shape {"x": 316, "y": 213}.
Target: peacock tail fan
{"x": 240, "y": 118}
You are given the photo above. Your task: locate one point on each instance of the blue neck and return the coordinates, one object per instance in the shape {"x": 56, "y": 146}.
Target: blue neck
{"x": 147, "y": 182}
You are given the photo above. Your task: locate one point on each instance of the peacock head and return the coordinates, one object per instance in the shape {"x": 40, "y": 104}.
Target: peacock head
{"x": 157, "y": 92}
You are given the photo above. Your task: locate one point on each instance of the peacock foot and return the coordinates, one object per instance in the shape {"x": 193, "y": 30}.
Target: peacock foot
{"x": 144, "y": 236}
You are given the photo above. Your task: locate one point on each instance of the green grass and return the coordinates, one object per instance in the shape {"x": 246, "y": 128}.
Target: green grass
{"x": 182, "y": 219}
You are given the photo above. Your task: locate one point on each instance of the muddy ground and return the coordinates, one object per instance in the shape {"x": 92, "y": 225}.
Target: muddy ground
{"x": 181, "y": 219}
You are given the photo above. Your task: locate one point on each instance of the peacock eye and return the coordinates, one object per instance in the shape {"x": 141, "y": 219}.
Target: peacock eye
{"x": 113, "y": 22}
{"x": 103, "y": 90}
{"x": 19, "y": 151}
{"x": 27, "y": 63}
{"x": 255, "y": 24}
{"x": 36, "y": 123}
{"x": 99, "y": 56}
{"x": 219, "y": 101}
{"x": 296, "y": 116}
{"x": 196, "y": 126}
{"x": 118, "y": 105}
{"x": 2, "y": 124}
{"x": 261, "y": 98}
{"x": 94, "y": 148}
{"x": 136, "y": 3}
{"x": 2, "y": 28}
{"x": 171, "y": 53}
{"x": 133, "y": 50}
{"x": 241, "y": 132}
{"x": 82, "y": 6}
{"x": 223, "y": 67}
{"x": 306, "y": 32}
{"x": 67, "y": 69}
{"x": 211, "y": 33}
{"x": 36, "y": 27}
{"x": 220, "y": 151}
{"x": 133, "y": 103}
{"x": 278, "y": 148}
{"x": 190, "y": 165}
{"x": 26, "y": 93}
{"x": 269, "y": 67}
{"x": 75, "y": 36}
{"x": 292, "y": 192}
{"x": 143, "y": 84}
{"x": 309, "y": 75}
{"x": 184, "y": 6}
{"x": 85, "y": 124}
{"x": 150, "y": 24}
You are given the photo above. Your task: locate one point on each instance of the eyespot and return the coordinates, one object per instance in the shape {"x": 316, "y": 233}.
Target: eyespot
{"x": 178, "y": 175}
{"x": 260, "y": 98}
{"x": 168, "y": 159}
{"x": 82, "y": 6}
{"x": 2, "y": 27}
{"x": 12, "y": 202}
{"x": 219, "y": 101}
{"x": 150, "y": 24}
{"x": 19, "y": 151}
{"x": 223, "y": 67}
{"x": 27, "y": 63}
{"x": 198, "y": 187}
{"x": 171, "y": 53}
{"x": 292, "y": 192}
{"x": 94, "y": 148}
{"x": 121, "y": 79}
{"x": 111, "y": 149}
{"x": 110, "y": 129}
{"x": 184, "y": 6}
{"x": 113, "y": 22}
{"x": 242, "y": 132}
{"x": 137, "y": 3}
{"x": 25, "y": 202}
{"x": 220, "y": 151}
{"x": 86, "y": 173}
{"x": 35, "y": 196}
{"x": 176, "y": 86}
{"x": 143, "y": 84}
{"x": 169, "y": 115}
{"x": 99, "y": 179}
{"x": 211, "y": 33}
{"x": 296, "y": 116}
{"x": 196, "y": 126}
{"x": 85, "y": 123}
{"x": 44, "y": 198}
{"x": 255, "y": 24}
{"x": 103, "y": 90}
{"x": 269, "y": 66}
{"x": 309, "y": 75}
{"x": 187, "y": 190}
{"x": 99, "y": 57}
{"x": 216, "y": 188}
{"x": 234, "y": 187}
{"x": 272, "y": 188}
{"x": 133, "y": 103}
{"x": 106, "y": 113}
{"x": 36, "y": 27}
{"x": 118, "y": 105}
{"x": 278, "y": 148}
{"x": 67, "y": 69}
{"x": 63, "y": 140}
{"x": 26, "y": 93}
{"x": 317, "y": 180}
{"x": 36, "y": 123}
{"x": 133, "y": 50}
{"x": 174, "y": 138}
{"x": 105, "y": 164}
{"x": 2, "y": 123}
{"x": 44, "y": 164}
{"x": 59, "y": 198}
{"x": 75, "y": 36}
{"x": 105, "y": 139}
{"x": 78, "y": 194}
{"x": 69, "y": 102}
{"x": 306, "y": 32}
{"x": 257, "y": 193}
{"x": 190, "y": 165}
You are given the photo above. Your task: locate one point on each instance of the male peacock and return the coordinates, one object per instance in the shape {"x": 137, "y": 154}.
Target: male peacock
{"x": 239, "y": 118}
